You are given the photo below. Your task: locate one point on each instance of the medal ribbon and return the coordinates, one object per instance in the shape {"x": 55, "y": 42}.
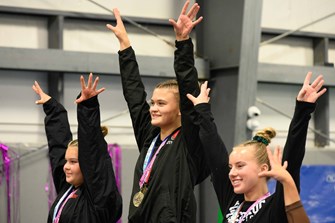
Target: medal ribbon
{"x": 148, "y": 167}
{"x": 149, "y": 152}
{"x": 56, "y": 220}
{"x": 252, "y": 206}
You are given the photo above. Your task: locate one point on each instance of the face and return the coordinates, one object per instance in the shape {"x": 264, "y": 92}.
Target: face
{"x": 164, "y": 108}
{"x": 244, "y": 170}
{"x": 72, "y": 168}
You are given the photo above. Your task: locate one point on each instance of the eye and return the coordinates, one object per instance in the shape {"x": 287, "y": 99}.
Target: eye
{"x": 152, "y": 103}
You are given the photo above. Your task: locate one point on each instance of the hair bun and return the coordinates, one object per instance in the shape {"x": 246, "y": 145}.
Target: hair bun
{"x": 104, "y": 130}
{"x": 265, "y": 135}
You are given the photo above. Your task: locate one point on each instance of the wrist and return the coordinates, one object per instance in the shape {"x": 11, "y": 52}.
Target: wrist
{"x": 182, "y": 38}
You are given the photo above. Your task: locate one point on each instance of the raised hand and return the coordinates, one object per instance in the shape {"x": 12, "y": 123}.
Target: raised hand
{"x": 89, "y": 90}
{"x": 311, "y": 92}
{"x": 185, "y": 23}
{"x": 119, "y": 30}
{"x": 43, "y": 96}
{"x": 278, "y": 171}
{"x": 203, "y": 97}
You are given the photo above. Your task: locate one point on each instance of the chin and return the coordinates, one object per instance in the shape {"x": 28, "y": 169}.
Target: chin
{"x": 155, "y": 123}
{"x": 238, "y": 191}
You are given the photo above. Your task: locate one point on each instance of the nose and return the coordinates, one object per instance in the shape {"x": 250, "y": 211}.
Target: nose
{"x": 232, "y": 172}
{"x": 66, "y": 166}
{"x": 153, "y": 107}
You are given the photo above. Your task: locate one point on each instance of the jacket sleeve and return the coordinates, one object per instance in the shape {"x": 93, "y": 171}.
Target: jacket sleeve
{"x": 95, "y": 162}
{"x": 216, "y": 155}
{"x": 296, "y": 213}
{"x": 294, "y": 150}
{"x": 58, "y": 133}
{"x": 187, "y": 77}
{"x": 135, "y": 95}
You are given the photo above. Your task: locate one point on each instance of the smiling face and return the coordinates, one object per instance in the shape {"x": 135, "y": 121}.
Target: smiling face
{"x": 164, "y": 108}
{"x": 244, "y": 170}
{"x": 71, "y": 168}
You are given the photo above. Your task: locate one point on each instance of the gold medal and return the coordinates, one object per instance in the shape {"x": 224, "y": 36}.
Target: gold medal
{"x": 138, "y": 197}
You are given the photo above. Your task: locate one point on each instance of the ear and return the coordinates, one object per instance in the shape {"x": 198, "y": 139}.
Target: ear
{"x": 265, "y": 167}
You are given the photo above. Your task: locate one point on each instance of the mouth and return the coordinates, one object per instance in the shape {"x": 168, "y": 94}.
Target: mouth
{"x": 154, "y": 116}
{"x": 235, "y": 182}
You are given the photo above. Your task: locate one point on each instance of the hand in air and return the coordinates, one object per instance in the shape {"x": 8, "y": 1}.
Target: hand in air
{"x": 119, "y": 30}
{"x": 185, "y": 23}
{"x": 89, "y": 90}
{"x": 203, "y": 97}
{"x": 311, "y": 92}
{"x": 278, "y": 171}
{"x": 43, "y": 96}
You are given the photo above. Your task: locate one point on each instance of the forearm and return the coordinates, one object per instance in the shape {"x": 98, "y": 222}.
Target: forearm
{"x": 291, "y": 194}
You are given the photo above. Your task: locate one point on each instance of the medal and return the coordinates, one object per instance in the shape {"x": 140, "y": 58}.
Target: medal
{"x": 138, "y": 197}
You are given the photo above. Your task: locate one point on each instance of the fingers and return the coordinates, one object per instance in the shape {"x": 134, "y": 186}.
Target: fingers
{"x": 204, "y": 86}
{"x": 183, "y": 11}
{"x": 101, "y": 90}
{"x": 36, "y": 87}
{"x": 308, "y": 78}
{"x": 89, "y": 82}
{"x": 193, "y": 11}
{"x": 82, "y": 82}
{"x": 317, "y": 81}
{"x": 118, "y": 19}
{"x": 96, "y": 81}
{"x": 321, "y": 92}
{"x": 117, "y": 14}
{"x": 196, "y": 22}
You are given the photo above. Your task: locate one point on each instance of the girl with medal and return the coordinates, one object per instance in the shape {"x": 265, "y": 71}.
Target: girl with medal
{"x": 82, "y": 169}
{"x": 170, "y": 162}
{"x": 240, "y": 179}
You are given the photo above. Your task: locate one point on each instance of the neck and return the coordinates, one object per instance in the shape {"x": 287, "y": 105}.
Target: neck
{"x": 167, "y": 131}
{"x": 255, "y": 195}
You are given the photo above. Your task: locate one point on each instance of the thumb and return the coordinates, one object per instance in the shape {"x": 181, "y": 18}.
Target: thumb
{"x": 172, "y": 22}
{"x": 38, "y": 102}
{"x": 110, "y": 27}
{"x": 265, "y": 174}
{"x": 191, "y": 98}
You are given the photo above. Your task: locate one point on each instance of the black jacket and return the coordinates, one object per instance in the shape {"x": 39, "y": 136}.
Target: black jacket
{"x": 177, "y": 169}
{"x": 273, "y": 208}
{"x": 97, "y": 199}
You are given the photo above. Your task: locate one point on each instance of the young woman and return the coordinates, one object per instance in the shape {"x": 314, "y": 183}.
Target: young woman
{"x": 169, "y": 164}
{"x": 242, "y": 194}
{"x": 82, "y": 169}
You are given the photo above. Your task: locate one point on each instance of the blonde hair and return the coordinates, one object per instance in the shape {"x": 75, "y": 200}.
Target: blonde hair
{"x": 74, "y": 143}
{"x": 171, "y": 84}
{"x": 260, "y": 141}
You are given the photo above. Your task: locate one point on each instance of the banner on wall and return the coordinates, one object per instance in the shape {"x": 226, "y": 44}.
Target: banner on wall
{"x": 318, "y": 192}
{"x": 317, "y": 183}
